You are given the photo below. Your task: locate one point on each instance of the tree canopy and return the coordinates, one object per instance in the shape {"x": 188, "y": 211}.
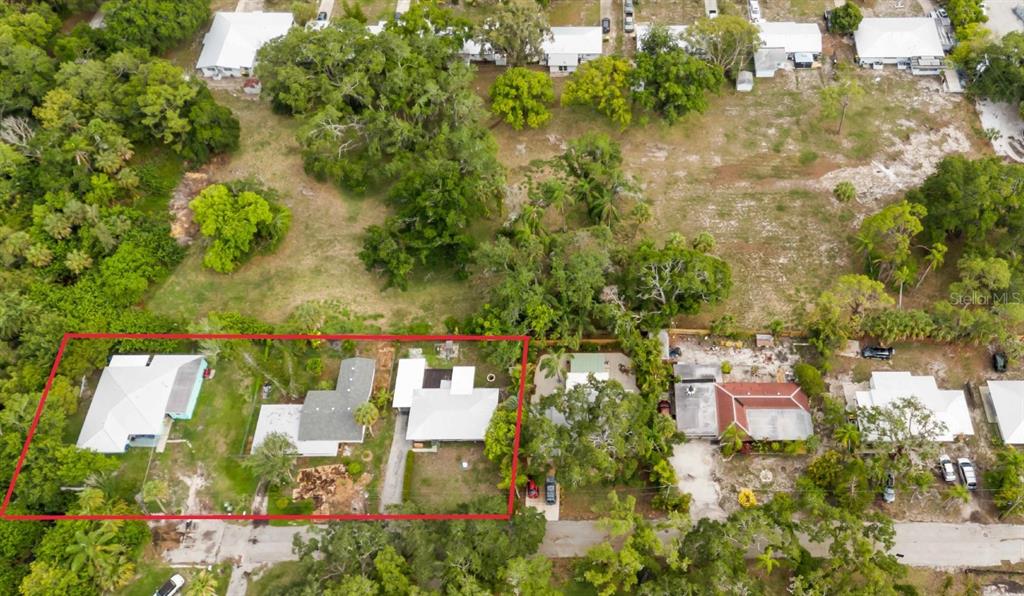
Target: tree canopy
{"x": 238, "y": 221}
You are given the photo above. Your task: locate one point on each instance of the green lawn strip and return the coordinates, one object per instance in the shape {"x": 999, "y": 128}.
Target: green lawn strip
{"x": 278, "y": 579}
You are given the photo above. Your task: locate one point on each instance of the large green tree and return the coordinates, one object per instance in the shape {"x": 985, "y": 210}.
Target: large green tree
{"x": 517, "y": 32}
{"x": 155, "y": 25}
{"x": 670, "y": 81}
{"x": 237, "y": 222}
{"x": 521, "y": 97}
{"x": 602, "y": 84}
{"x": 727, "y": 41}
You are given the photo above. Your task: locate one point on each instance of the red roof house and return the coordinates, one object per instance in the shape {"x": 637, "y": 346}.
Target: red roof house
{"x": 765, "y": 411}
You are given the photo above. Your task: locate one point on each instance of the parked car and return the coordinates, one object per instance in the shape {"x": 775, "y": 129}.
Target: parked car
{"x": 606, "y": 25}
{"x": 877, "y": 352}
{"x": 889, "y": 493}
{"x": 171, "y": 586}
{"x": 532, "y": 491}
{"x": 968, "y": 473}
{"x": 946, "y": 468}
{"x": 942, "y": 13}
{"x": 628, "y": 25}
{"x": 322, "y": 16}
{"x": 627, "y": 7}
{"x": 550, "y": 491}
{"x": 1019, "y": 11}
{"x": 999, "y": 362}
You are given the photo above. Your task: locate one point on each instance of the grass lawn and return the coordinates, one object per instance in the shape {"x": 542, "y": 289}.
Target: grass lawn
{"x": 756, "y": 170}
{"x": 277, "y": 579}
{"x": 440, "y": 484}
{"x": 317, "y": 260}
{"x": 152, "y": 572}
{"x": 564, "y": 13}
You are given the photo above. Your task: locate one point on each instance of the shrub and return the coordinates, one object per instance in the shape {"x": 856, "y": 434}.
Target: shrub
{"x": 726, "y": 367}
{"x": 521, "y": 97}
{"x": 724, "y": 326}
{"x": 315, "y": 366}
{"x": 846, "y": 18}
{"x": 303, "y": 12}
{"x": 844, "y": 192}
{"x": 238, "y": 221}
{"x": 809, "y": 379}
{"x": 355, "y": 469}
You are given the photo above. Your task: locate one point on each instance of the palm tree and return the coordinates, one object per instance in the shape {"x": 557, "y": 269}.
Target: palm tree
{"x": 78, "y": 261}
{"x": 956, "y": 495}
{"x": 848, "y": 435}
{"x": 156, "y": 490}
{"x": 767, "y": 560}
{"x": 367, "y": 414}
{"x": 272, "y": 461}
{"x": 903, "y": 275}
{"x": 552, "y": 366}
{"x": 641, "y": 214}
{"x": 935, "y": 258}
{"x": 98, "y": 553}
{"x": 203, "y": 583}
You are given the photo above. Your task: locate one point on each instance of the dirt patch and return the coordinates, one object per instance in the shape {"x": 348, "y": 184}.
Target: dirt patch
{"x": 917, "y": 159}
{"x": 183, "y": 227}
{"x": 332, "y": 490}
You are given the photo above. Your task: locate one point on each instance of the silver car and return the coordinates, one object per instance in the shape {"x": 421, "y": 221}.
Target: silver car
{"x": 968, "y": 473}
{"x": 947, "y": 469}
{"x": 628, "y": 25}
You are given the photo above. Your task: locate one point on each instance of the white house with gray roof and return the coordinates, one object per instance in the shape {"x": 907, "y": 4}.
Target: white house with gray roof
{"x": 443, "y": 404}
{"x": 325, "y": 419}
{"x": 136, "y": 395}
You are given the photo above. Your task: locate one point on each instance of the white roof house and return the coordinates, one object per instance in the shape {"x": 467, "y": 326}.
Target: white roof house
{"x": 795, "y": 38}
{"x": 450, "y": 409}
{"x": 408, "y": 379}
{"x": 229, "y": 49}
{"x": 568, "y": 47}
{"x": 285, "y": 419}
{"x": 900, "y": 40}
{"x": 135, "y": 394}
{"x": 947, "y": 406}
{"x": 1008, "y": 402}
{"x": 439, "y": 415}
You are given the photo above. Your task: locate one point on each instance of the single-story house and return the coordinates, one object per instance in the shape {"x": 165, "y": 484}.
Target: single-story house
{"x": 1007, "y": 398}
{"x": 476, "y": 51}
{"x": 948, "y": 406}
{"x": 569, "y": 47}
{"x": 229, "y": 49}
{"x": 908, "y": 42}
{"x": 134, "y": 396}
{"x": 676, "y": 31}
{"x": 443, "y": 404}
{"x": 784, "y": 43}
{"x": 765, "y": 411}
{"x": 705, "y": 407}
{"x": 325, "y": 419}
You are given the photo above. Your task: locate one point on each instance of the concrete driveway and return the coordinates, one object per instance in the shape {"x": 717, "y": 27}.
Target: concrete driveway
{"x": 551, "y": 512}
{"x": 695, "y": 463}
{"x": 394, "y": 473}
{"x": 1001, "y": 19}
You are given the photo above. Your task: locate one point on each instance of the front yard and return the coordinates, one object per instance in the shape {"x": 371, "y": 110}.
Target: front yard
{"x": 457, "y": 474}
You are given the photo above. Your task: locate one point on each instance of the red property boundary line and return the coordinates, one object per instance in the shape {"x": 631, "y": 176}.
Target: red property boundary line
{"x": 271, "y": 336}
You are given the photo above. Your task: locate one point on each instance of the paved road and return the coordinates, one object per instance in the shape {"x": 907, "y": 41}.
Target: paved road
{"x": 922, "y": 544}
{"x": 394, "y": 473}
{"x": 213, "y": 541}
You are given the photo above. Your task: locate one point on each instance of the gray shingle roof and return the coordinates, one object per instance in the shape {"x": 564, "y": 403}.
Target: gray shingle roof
{"x": 329, "y": 415}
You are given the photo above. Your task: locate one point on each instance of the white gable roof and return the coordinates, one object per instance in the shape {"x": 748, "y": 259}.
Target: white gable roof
{"x": 1008, "y": 402}
{"x": 284, "y": 419}
{"x": 947, "y": 406}
{"x": 792, "y": 37}
{"x": 897, "y": 37}
{"x": 408, "y": 379}
{"x": 574, "y": 40}
{"x": 234, "y": 37}
{"x": 437, "y": 415}
{"x": 131, "y": 399}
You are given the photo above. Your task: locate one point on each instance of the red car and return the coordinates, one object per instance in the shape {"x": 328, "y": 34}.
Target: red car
{"x": 532, "y": 491}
